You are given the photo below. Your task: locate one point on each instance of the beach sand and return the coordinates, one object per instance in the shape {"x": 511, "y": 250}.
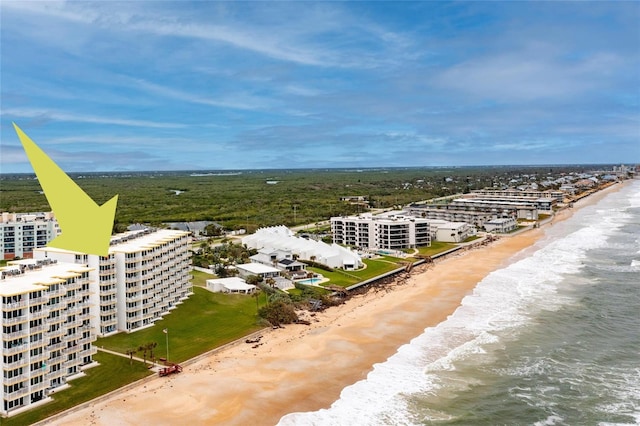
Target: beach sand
{"x": 304, "y": 368}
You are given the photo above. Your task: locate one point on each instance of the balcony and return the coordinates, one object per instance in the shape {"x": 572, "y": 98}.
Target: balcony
{"x": 15, "y": 320}
{"x": 55, "y": 360}
{"x": 75, "y": 298}
{"x": 56, "y": 374}
{"x": 73, "y": 285}
{"x": 40, "y": 357}
{"x": 88, "y": 352}
{"x": 55, "y": 320}
{"x": 42, "y": 313}
{"x": 70, "y": 324}
{"x": 58, "y": 292}
{"x": 107, "y": 291}
{"x": 16, "y": 334}
{"x": 39, "y": 386}
{"x": 56, "y": 346}
{"x": 14, "y": 380}
{"x": 109, "y": 310}
{"x": 74, "y": 310}
{"x": 88, "y": 339}
{"x": 72, "y": 362}
{"x": 14, "y": 305}
{"x": 39, "y": 300}
{"x": 15, "y": 364}
{"x": 37, "y": 343}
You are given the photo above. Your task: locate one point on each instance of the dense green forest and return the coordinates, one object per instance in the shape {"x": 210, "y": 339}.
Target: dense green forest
{"x": 265, "y": 197}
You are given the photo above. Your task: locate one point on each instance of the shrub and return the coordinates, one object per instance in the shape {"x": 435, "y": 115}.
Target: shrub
{"x": 279, "y": 312}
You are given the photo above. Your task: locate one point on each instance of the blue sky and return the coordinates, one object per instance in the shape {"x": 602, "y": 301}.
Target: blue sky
{"x": 110, "y": 86}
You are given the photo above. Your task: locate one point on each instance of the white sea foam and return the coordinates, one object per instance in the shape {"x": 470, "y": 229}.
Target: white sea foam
{"x": 551, "y": 420}
{"x": 501, "y": 303}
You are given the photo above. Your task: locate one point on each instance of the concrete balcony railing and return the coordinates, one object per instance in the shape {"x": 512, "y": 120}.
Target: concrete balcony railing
{"x": 15, "y": 364}
{"x": 16, "y": 334}
{"x": 55, "y": 360}
{"x": 14, "y": 305}
{"x": 39, "y": 300}
{"x": 14, "y": 380}
{"x": 56, "y": 346}
{"x": 15, "y": 320}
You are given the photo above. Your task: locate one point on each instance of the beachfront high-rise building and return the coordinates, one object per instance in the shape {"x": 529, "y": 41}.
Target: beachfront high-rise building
{"x": 46, "y": 332}
{"x": 381, "y": 232}
{"x": 143, "y": 278}
{"x": 21, "y": 233}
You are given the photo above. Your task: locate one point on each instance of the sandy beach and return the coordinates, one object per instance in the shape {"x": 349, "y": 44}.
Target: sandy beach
{"x": 303, "y": 368}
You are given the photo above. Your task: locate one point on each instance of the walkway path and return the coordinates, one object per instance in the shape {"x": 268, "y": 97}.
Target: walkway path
{"x": 135, "y": 358}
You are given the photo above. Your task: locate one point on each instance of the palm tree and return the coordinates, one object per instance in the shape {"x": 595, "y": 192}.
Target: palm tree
{"x": 130, "y": 352}
{"x": 143, "y": 349}
{"x": 151, "y": 346}
{"x": 271, "y": 282}
{"x": 256, "y": 295}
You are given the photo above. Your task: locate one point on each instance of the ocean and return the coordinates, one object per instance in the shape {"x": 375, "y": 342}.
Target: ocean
{"x": 551, "y": 339}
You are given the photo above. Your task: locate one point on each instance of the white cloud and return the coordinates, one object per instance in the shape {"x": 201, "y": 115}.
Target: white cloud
{"x": 44, "y": 114}
{"x": 535, "y": 72}
{"x": 243, "y": 101}
{"x": 290, "y": 42}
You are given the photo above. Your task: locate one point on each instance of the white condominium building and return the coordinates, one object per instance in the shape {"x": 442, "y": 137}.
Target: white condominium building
{"x": 46, "y": 332}
{"x": 21, "y": 233}
{"x": 144, "y": 277}
{"x": 387, "y": 233}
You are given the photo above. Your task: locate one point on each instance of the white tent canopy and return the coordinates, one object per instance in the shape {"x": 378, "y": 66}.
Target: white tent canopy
{"x": 282, "y": 238}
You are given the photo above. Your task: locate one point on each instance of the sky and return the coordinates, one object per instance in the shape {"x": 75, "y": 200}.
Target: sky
{"x": 161, "y": 85}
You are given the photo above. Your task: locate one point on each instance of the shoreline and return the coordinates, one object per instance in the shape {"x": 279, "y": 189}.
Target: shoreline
{"x": 304, "y": 368}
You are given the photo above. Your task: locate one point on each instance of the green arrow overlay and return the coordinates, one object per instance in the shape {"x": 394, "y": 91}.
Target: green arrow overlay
{"x": 86, "y": 227}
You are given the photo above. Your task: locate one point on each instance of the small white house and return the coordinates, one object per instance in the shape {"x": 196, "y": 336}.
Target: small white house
{"x": 230, "y": 285}
{"x": 247, "y": 269}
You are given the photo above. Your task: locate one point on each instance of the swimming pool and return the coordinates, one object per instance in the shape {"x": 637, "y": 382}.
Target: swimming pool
{"x": 310, "y": 281}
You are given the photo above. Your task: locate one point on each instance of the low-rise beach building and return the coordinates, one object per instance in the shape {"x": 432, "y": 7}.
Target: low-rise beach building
{"x": 450, "y": 232}
{"x": 46, "y": 329}
{"x": 275, "y": 238}
{"x": 230, "y": 285}
{"x": 501, "y": 225}
{"x": 245, "y": 270}
{"x": 281, "y": 259}
{"x": 264, "y": 272}
{"x": 477, "y": 219}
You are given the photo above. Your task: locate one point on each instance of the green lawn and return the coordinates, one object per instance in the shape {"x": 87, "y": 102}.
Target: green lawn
{"x": 374, "y": 268}
{"x": 203, "y": 322}
{"x": 335, "y": 278}
{"x": 200, "y": 278}
{"x": 112, "y": 373}
{"x": 435, "y": 248}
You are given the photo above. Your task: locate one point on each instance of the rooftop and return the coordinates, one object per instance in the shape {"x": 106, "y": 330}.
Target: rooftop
{"x": 27, "y": 275}
{"x": 257, "y": 268}
{"x": 133, "y": 241}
